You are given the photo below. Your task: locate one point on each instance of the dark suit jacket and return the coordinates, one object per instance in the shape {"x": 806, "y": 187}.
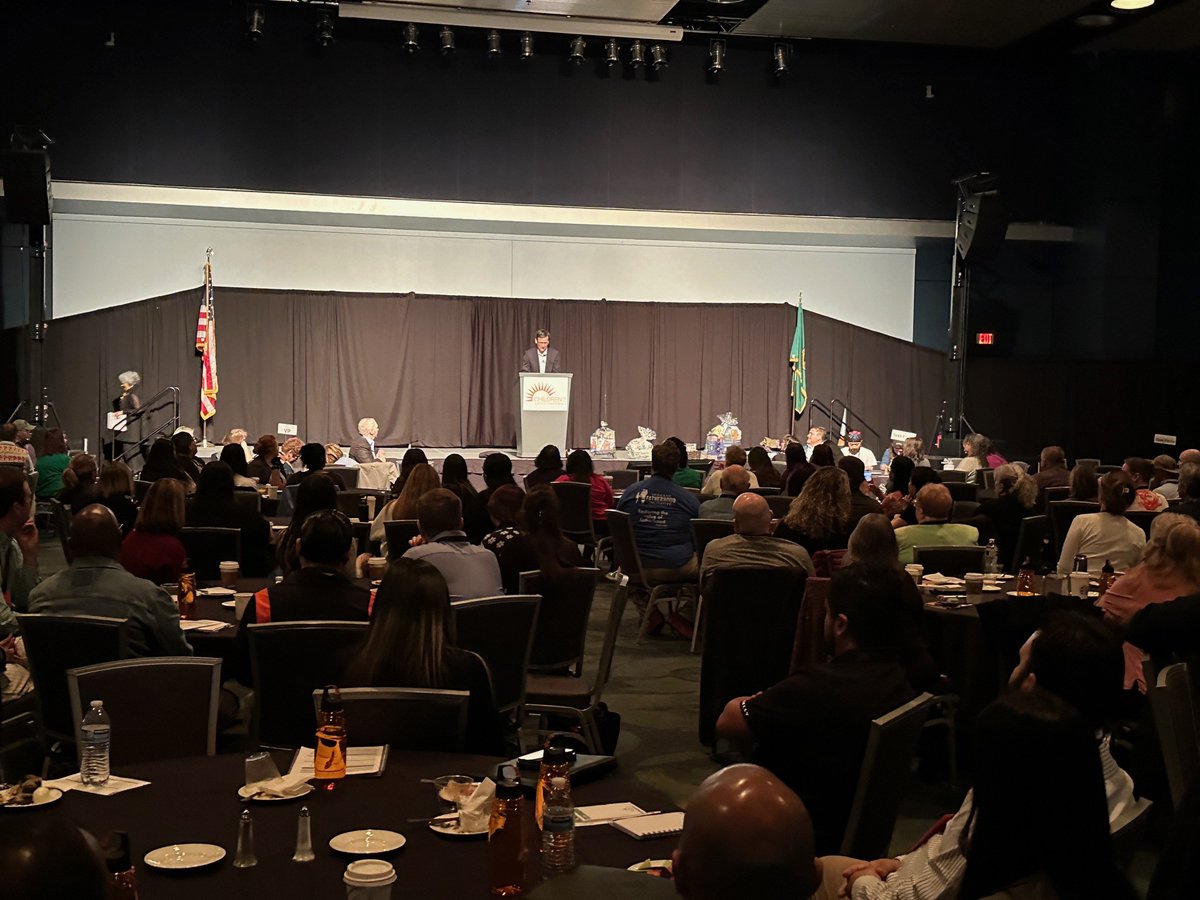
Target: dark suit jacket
{"x": 360, "y": 450}
{"x": 530, "y": 361}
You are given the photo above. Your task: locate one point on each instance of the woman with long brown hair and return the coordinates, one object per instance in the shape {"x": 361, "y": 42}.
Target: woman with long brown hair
{"x": 540, "y": 544}
{"x": 115, "y": 483}
{"x": 153, "y": 550}
{"x": 819, "y": 519}
{"x": 421, "y": 480}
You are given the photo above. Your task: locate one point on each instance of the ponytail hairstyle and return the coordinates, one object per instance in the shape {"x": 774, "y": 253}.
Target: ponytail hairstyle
{"x": 1117, "y": 492}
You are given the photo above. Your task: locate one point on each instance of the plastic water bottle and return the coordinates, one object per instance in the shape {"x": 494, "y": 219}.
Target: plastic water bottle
{"x": 97, "y": 736}
{"x": 558, "y": 830}
{"x": 991, "y": 558}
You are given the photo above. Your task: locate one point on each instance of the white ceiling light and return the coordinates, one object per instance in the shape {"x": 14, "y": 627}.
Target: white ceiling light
{"x": 1131, "y": 4}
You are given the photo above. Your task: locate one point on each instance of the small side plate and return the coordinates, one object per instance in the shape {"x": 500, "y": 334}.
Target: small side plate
{"x": 184, "y": 856}
{"x": 367, "y": 841}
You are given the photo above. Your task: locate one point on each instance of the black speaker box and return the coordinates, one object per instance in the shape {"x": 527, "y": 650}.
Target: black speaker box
{"x": 982, "y": 224}
{"x": 27, "y": 197}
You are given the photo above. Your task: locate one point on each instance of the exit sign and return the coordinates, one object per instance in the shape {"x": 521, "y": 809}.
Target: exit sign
{"x": 985, "y": 338}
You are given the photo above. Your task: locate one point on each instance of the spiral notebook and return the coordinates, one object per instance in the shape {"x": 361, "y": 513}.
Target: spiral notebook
{"x": 643, "y": 827}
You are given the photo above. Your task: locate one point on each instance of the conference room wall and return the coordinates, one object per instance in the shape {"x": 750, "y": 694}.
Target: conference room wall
{"x": 106, "y": 261}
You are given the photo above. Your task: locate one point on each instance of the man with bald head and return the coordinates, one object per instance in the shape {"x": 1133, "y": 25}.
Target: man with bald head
{"x": 933, "y": 505}
{"x": 735, "y": 481}
{"x": 752, "y": 546}
{"x": 96, "y": 585}
{"x": 746, "y": 834}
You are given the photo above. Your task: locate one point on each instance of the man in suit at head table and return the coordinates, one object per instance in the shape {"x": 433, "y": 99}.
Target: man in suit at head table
{"x": 541, "y": 357}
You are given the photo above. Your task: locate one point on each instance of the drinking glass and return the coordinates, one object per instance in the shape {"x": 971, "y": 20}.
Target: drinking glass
{"x": 260, "y": 767}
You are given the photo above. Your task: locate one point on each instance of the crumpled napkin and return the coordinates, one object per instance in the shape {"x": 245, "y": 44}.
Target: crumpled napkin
{"x": 938, "y": 578}
{"x": 474, "y": 812}
{"x": 291, "y": 785}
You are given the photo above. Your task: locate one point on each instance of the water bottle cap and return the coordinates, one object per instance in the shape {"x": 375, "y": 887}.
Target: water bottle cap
{"x": 97, "y": 704}
{"x": 554, "y": 756}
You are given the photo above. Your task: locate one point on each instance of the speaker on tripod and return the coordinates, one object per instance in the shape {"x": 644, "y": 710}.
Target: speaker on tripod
{"x": 27, "y": 196}
{"x": 982, "y": 218}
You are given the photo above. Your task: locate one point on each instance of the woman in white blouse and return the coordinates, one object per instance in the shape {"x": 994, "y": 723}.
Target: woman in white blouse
{"x": 1106, "y": 535}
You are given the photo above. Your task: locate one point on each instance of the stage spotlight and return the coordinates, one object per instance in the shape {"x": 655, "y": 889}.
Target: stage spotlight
{"x": 254, "y": 24}
{"x": 780, "y": 55}
{"x": 526, "y": 45}
{"x": 493, "y": 43}
{"x": 410, "y": 38}
{"x": 658, "y": 57}
{"x": 324, "y": 30}
{"x": 637, "y": 54}
{"x": 446, "y": 36}
{"x": 716, "y": 57}
{"x": 578, "y": 46}
{"x": 612, "y": 52}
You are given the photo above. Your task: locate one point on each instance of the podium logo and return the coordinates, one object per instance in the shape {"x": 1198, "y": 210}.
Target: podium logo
{"x": 543, "y": 395}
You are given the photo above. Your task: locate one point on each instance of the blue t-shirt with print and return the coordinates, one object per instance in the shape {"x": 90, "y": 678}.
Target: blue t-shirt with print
{"x": 661, "y": 512}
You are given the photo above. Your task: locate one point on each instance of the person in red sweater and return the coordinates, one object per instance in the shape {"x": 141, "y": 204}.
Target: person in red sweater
{"x": 153, "y": 550}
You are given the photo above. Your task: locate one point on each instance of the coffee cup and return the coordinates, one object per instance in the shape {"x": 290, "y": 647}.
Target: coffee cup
{"x": 916, "y": 570}
{"x": 369, "y": 879}
{"x": 230, "y": 572}
{"x": 974, "y": 583}
{"x": 240, "y": 602}
{"x": 377, "y": 567}
{"x": 1078, "y": 583}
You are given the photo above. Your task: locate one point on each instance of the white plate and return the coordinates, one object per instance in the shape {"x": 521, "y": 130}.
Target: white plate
{"x": 217, "y": 592}
{"x": 185, "y": 856}
{"x": 57, "y": 796}
{"x": 989, "y": 588}
{"x": 450, "y": 828}
{"x": 367, "y": 842}
{"x": 246, "y": 793}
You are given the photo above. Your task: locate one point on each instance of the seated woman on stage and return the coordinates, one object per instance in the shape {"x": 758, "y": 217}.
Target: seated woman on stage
{"x": 422, "y": 479}
{"x": 232, "y": 456}
{"x": 914, "y": 449}
{"x": 214, "y": 507}
{"x": 456, "y": 478}
{"x": 819, "y": 519}
{"x": 581, "y": 469}
{"x": 540, "y": 544}
{"x": 547, "y": 468}
{"x": 153, "y": 550}
{"x": 408, "y": 646}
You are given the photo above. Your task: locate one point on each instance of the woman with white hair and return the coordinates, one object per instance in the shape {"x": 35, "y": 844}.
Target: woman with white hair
{"x": 127, "y": 404}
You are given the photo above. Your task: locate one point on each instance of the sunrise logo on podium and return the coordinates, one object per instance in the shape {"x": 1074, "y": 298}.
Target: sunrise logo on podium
{"x": 541, "y": 395}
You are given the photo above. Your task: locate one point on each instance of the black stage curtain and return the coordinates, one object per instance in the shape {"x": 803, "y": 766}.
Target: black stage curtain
{"x": 440, "y": 371}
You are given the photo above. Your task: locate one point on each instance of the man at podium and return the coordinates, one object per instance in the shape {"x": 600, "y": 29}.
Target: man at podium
{"x": 541, "y": 357}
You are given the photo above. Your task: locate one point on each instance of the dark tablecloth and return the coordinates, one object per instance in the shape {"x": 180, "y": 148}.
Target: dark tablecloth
{"x": 195, "y": 801}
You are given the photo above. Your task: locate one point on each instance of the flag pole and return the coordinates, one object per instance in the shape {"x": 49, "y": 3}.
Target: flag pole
{"x": 208, "y": 254}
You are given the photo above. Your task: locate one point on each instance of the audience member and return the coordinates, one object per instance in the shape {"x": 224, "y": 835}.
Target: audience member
{"x": 19, "y": 546}
{"x": 51, "y": 463}
{"x": 96, "y": 585}
{"x": 735, "y": 481}
{"x": 335, "y": 456}
{"x": 456, "y": 478}
{"x": 1084, "y": 482}
{"x": 289, "y": 456}
{"x": 580, "y": 468}
{"x": 116, "y": 492}
{"x": 898, "y": 478}
{"x": 933, "y": 505}
{"x": 238, "y": 436}
{"x": 660, "y": 515}
{"x": 1052, "y": 471}
{"x": 45, "y": 857}
{"x": 1166, "y": 476}
{"x": 1170, "y": 568}
{"x": 232, "y": 456}
{"x": 266, "y": 467}
{"x": 12, "y": 453}
{"x": 759, "y": 462}
{"x": 977, "y": 452}
{"x": 183, "y": 445}
{"x": 162, "y": 463}
{"x": 497, "y": 471}
{"x": 914, "y": 449}
{"x": 312, "y": 457}
{"x": 213, "y": 506}
{"x": 863, "y": 501}
{"x": 1016, "y": 498}
{"x": 362, "y": 448}
{"x": 314, "y": 494}
{"x": 24, "y": 439}
{"x": 153, "y": 550}
{"x": 1141, "y": 472}
{"x": 822, "y": 455}
{"x": 904, "y": 509}
{"x": 798, "y": 470}
{"x": 734, "y": 456}
{"x": 470, "y": 571}
{"x": 413, "y": 457}
{"x": 893, "y": 451}
{"x": 1105, "y": 536}
{"x": 79, "y": 482}
{"x": 819, "y": 519}
{"x": 421, "y": 480}
{"x": 854, "y": 447}
{"x": 539, "y": 544}
{"x": 685, "y": 475}
{"x": 811, "y": 729}
{"x": 815, "y": 438}
{"x": 1189, "y": 490}
{"x": 547, "y": 467}
{"x": 746, "y": 834}
{"x": 752, "y": 545}
{"x": 409, "y": 645}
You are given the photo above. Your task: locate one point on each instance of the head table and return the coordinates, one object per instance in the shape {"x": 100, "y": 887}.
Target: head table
{"x": 195, "y": 801}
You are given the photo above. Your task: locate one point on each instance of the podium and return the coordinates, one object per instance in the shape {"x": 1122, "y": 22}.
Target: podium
{"x": 543, "y": 404}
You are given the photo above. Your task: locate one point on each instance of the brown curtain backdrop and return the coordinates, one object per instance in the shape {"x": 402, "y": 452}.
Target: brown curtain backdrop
{"x": 441, "y": 371}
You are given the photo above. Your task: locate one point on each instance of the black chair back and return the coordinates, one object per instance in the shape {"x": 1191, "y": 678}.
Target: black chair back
{"x": 501, "y": 630}
{"x": 1034, "y": 530}
{"x": 706, "y": 530}
{"x": 963, "y": 509}
{"x": 562, "y": 620}
{"x": 61, "y": 516}
{"x": 352, "y": 504}
{"x": 417, "y": 719}
{"x": 1050, "y": 494}
{"x": 952, "y": 476}
{"x": 287, "y": 500}
{"x": 779, "y": 505}
{"x": 140, "y": 489}
{"x": 766, "y": 491}
{"x": 1142, "y": 518}
{"x": 288, "y": 661}
{"x": 575, "y": 510}
{"x": 398, "y": 532}
{"x": 953, "y": 562}
{"x": 986, "y": 479}
{"x": 1062, "y": 513}
{"x": 962, "y": 491}
{"x": 55, "y": 644}
{"x": 208, "y": 547}
{"x": 249, "y": 498}
{"x": 624, "y": 550}
{"x": 346, "y": 476}
{"x": 164, "y": 707}
{"x": 749, "y": 631}
{"x": 622, "y": 478}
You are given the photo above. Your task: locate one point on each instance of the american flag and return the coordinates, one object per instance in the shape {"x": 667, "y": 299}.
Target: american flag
{"x": 206, "y": 345}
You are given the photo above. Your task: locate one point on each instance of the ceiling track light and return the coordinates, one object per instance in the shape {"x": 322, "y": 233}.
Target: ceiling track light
{"x": 578, "y": 47}
{"x": 526, "y": 45}
{"x": 254, "y": 24}
{"x": 716, "y": 57}
{"x": 612, "y": 52}
{"x": 637, "y": 54}
{"x": 446, "y": 37}
{"x": 658, "y": 57}
{"x": 780, "y": 55}
{"x": 324, "y": 30}
{"x": 493, "y": 43}
{"x": 410, "y": 38}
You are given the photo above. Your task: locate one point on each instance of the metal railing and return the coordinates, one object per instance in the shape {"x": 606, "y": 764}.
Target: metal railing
{"x": 167, "y": 397}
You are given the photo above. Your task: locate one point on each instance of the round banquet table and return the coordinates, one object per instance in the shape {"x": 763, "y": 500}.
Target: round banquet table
{"x": 195, "y": 801}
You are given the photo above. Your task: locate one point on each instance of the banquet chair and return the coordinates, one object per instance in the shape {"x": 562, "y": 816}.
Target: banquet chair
{"x": 165, "y": 707}
{"x": 953, "y": 562}
{"x": 397, "y": 533}
{"x": 1175, "y": 723}
{"x": 346, "y": 476}
{"x": 952, "y": 476}
{"x": 1142, "y": 518}
{"x": 704, "y": 531}
{"x": 964, "y": 509}
{"x": 249, "y": 498}
{"x": 208, "y": 547}
{"x": 562, "y": 621}
{"x": 563, "y": 696}
{"x": 808, "y": 647}
{"x": 629, "y": 561}
{"x": 747, "y": 644}
{"x": 416, "y": 719}
{"x": 500, "y": 629}
{"x": 352, "y": 504}
{"x": 622, "y": 478}
{"x": 55, "y": 644}
{"x": 288, "y": 661}
{"x": 766, "y": 491}
{"x": 575, "y": 511}
{"x": 779, "y": 504}
{"x": 985, "y": 480}
{"x": 1051, "y": 494}
{"x": 1034, "y": 530}
{"x": 883, "y": 779}
{"x": 1062, "y": 513}
{"x": 962, "y": 491}
{"x": 1128, "y": 830}
{"x": 60, "y": 515}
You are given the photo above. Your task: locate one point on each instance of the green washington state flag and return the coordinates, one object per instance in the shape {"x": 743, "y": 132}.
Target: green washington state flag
{"x": 796, "y": 359}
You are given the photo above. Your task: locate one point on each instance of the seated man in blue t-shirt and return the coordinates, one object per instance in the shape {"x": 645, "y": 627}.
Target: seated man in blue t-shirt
{"x": 661, "y": 513}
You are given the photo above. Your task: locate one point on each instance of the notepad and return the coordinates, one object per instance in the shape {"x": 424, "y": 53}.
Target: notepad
{"x": 651, "y": 826}
{"x": 359, "y": 760}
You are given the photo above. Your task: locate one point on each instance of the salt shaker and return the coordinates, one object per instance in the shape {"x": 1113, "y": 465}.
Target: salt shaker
{"x": 304, "y": 848}
{"x": 244, "y": 858}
